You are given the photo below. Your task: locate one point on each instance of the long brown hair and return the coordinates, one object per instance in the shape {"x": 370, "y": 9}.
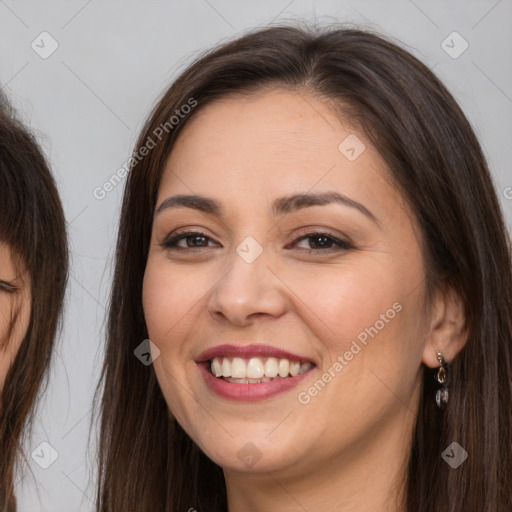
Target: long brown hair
{"x": 32, "y": 225}
{"x": 146, "y": 460}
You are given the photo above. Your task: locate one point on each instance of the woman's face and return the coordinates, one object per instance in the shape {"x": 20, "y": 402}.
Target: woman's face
{"x": 14, "y": 306}
{"x": 338, "y": 283}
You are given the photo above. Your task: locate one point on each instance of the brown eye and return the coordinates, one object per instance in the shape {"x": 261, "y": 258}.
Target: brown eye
{"x": 319, "y": 242}
{"x": 193, "y": 240}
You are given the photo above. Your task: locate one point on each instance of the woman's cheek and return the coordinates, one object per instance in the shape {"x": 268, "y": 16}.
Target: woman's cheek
{"x": 348, "y": 303}
{"x": 169, "y": 297}
{"x": 159, "y": 295}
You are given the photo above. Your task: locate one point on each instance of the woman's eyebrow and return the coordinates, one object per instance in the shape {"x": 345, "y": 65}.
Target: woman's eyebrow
{"x": 280, "y": 206}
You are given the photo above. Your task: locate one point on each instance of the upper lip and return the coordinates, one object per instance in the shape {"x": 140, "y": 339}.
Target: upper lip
{"x": 248, "y": 351}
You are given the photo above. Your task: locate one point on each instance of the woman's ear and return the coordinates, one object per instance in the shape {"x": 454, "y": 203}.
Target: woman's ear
{"x": 447, "y": 330}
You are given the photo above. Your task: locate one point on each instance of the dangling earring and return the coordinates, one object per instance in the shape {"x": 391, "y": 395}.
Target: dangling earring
{"x": 442, "y": 377}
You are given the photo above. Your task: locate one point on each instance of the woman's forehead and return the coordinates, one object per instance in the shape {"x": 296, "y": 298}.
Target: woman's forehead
{"x": 272, "y": 144}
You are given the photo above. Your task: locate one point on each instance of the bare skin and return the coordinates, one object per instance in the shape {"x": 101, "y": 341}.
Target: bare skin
{"x": 344, "y": 450}
{"x": 14, "y": 294}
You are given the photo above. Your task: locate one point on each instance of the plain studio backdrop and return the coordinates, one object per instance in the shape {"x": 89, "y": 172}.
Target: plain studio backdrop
{"x": 84, "y": 75}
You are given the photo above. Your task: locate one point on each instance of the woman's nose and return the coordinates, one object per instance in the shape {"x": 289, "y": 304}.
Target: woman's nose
{"x": 249, "y": 289}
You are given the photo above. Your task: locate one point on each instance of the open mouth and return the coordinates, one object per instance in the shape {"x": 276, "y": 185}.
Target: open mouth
{"x": 256, "y": 370}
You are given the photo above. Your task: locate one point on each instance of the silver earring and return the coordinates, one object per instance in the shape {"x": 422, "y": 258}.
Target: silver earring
{"x": 442, "y": 377}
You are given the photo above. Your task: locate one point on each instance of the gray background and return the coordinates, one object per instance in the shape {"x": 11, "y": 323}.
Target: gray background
{"x": 87, "y": 101}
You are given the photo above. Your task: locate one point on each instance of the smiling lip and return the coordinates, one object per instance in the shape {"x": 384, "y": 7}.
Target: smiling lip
{"x": 249, "y": 392}
{"x": 249, "y": 351}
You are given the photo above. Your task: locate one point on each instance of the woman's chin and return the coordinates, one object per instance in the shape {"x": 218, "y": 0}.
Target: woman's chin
{"x": 252, "y": 460}
{"x": 257, "y": 455}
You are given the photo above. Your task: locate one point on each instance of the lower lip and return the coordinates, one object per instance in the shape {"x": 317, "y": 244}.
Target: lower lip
{"x": 249, "y": 392}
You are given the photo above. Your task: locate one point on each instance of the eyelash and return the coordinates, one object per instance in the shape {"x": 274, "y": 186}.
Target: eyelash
{"x": 7, "y": 287}
{"x": 343, "y": 245}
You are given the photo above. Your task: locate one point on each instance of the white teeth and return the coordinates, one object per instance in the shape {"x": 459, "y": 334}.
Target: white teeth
{"x": 271, "y": 368}
{"x": 284, "y": 367}
{"x": 248, "y": 381}
{"x": 294, "y": 368}
{"x": 217, "y": 367}
{"x": 256, "y": 369}
{"x": 238, "y": 368}
{"x": 226, "y": 368}
{"x": 305, "y": 367}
